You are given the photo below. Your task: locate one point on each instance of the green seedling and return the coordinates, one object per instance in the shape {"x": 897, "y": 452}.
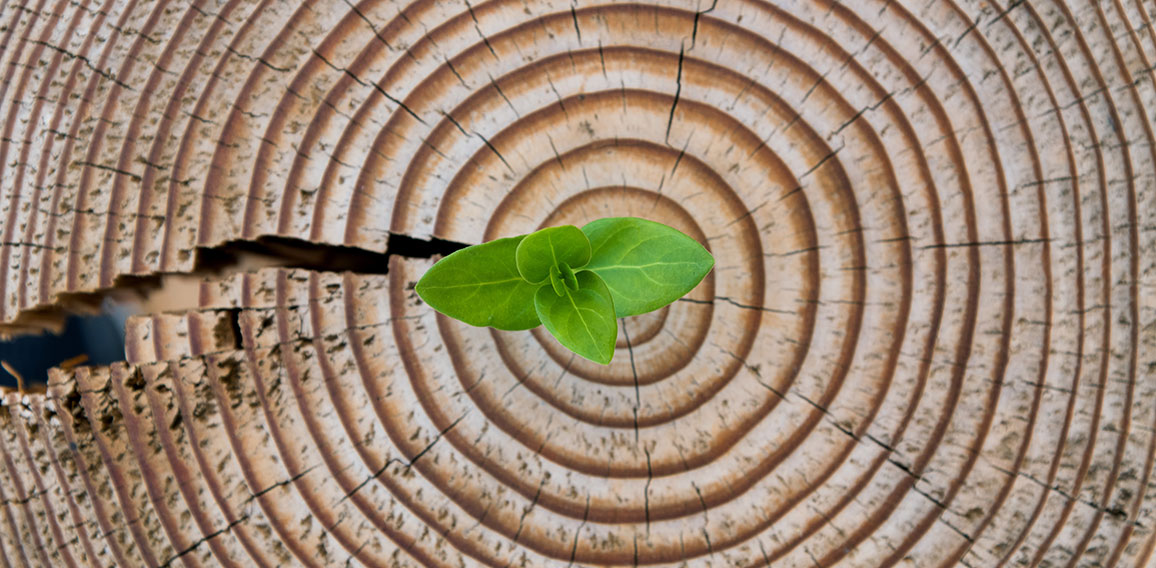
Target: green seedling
{"x": 576, "y": 282}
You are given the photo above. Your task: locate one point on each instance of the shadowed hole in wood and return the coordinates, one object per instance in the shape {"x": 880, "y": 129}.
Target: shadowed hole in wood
{"x": 88, "y": 328}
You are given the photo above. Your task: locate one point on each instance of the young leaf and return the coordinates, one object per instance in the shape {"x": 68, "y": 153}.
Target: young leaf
{"x": 480, "y": 285}
{"x": 582, "y": 320}
{"x": 568, "y": 276}
{"x": 556, "y": 280}
{"x": 646, "y": 265}
{"x": 551, "y": 247}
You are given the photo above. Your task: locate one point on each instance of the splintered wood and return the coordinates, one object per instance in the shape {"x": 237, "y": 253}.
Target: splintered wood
{"x": 929, "y": 338}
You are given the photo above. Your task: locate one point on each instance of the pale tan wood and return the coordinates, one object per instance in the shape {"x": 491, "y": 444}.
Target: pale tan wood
{"x": 929, "y": 339}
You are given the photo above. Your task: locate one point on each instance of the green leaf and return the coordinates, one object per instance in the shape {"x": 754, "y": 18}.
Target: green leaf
{"x": 646, "y": 265}
{"x": 556, "y": 280}
{"x": 568, "y": 277}
{"x": 551, "y": 247}
{"x": 582, "y": 320}
{"x": 480, "y": 285}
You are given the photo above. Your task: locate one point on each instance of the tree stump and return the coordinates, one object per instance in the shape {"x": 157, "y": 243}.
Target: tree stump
{"x": 929, "y": 339}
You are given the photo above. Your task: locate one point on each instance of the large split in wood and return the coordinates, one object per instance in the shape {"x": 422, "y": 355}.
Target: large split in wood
{"x": 929, "y": 339}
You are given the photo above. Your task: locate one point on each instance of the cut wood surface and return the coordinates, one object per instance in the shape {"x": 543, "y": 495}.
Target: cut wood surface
{"x": 929, "y": 338}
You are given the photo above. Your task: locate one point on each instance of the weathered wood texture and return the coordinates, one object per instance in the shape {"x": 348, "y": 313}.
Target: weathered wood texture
{"x": 930, "y": 338}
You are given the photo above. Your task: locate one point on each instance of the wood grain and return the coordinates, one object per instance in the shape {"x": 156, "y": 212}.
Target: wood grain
{"x": 929, "y": 338}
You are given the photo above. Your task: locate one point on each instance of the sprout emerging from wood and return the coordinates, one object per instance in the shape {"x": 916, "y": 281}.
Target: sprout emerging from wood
{"x": 573, "y": 281}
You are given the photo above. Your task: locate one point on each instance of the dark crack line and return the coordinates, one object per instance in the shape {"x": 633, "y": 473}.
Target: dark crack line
{"x": 578, "y": 532}
{"x": 502, "y": 94}
{"x": 738, "y": 305}
{"x": 702, "y": 503}
{"x": 454, "y": 122}
{"x": 454, "y": 70}
{"x": 1004, "y": 13}
{"x": 988, "y": 243}
{"x": 915, "y": 477}
{"x": 1115, "y": 512}
{"x": 966, "y": 32}
{"x": 861, "y": 112}
{"x": 634, "y": 371}
{"x": 646, "y": 491}
{"x": 697, "y": 16}
{"x": 677, "y": 92}
{"x": 526, "y": 511}
{"x": 678, "y": 160}
{"x": 33, "y": 494}
{"x": 403, "y": 463}
{"x": 257, "y": 59}
{"x": 400, "y": 104}
{"x": 493, "y": 149}
{"x": 557, "y": 156}
{"x": 820, "y": 163}
{"x": 815, "y": 248}
{"x": 131, "y": 175}
{"x": 747, "y": 215}
{"x": 206, "y": 538}
{"x": 377, "y": 33}
{"x": 476, "y": 134}
{"x": 478, "y": 28}
{"x": 282, "y": 483}
{"x": 106, "y": 74}
{"x": 33, "y": 245}
{"x": 574, "y": 17}
{"x": 602, "y": 58}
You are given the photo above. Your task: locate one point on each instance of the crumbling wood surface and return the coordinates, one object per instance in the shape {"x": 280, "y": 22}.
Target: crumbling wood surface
{"x": 929, "y": 339}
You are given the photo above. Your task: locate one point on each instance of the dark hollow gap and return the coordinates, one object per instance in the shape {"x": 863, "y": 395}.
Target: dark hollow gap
{"x": 296, "y": 253}
{"x": 410, "y": 247}
{"x": 89, "y": 339}
{"x": 228, "y": 329}
{"x": 93, "y": 324}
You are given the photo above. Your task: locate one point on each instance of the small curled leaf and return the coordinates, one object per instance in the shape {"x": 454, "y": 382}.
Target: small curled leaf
{"x": 582, "y": 320}
{"x": 568, "y": 277}
{"x": 551, "y": 247}
{"x": 556, "y": 281}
